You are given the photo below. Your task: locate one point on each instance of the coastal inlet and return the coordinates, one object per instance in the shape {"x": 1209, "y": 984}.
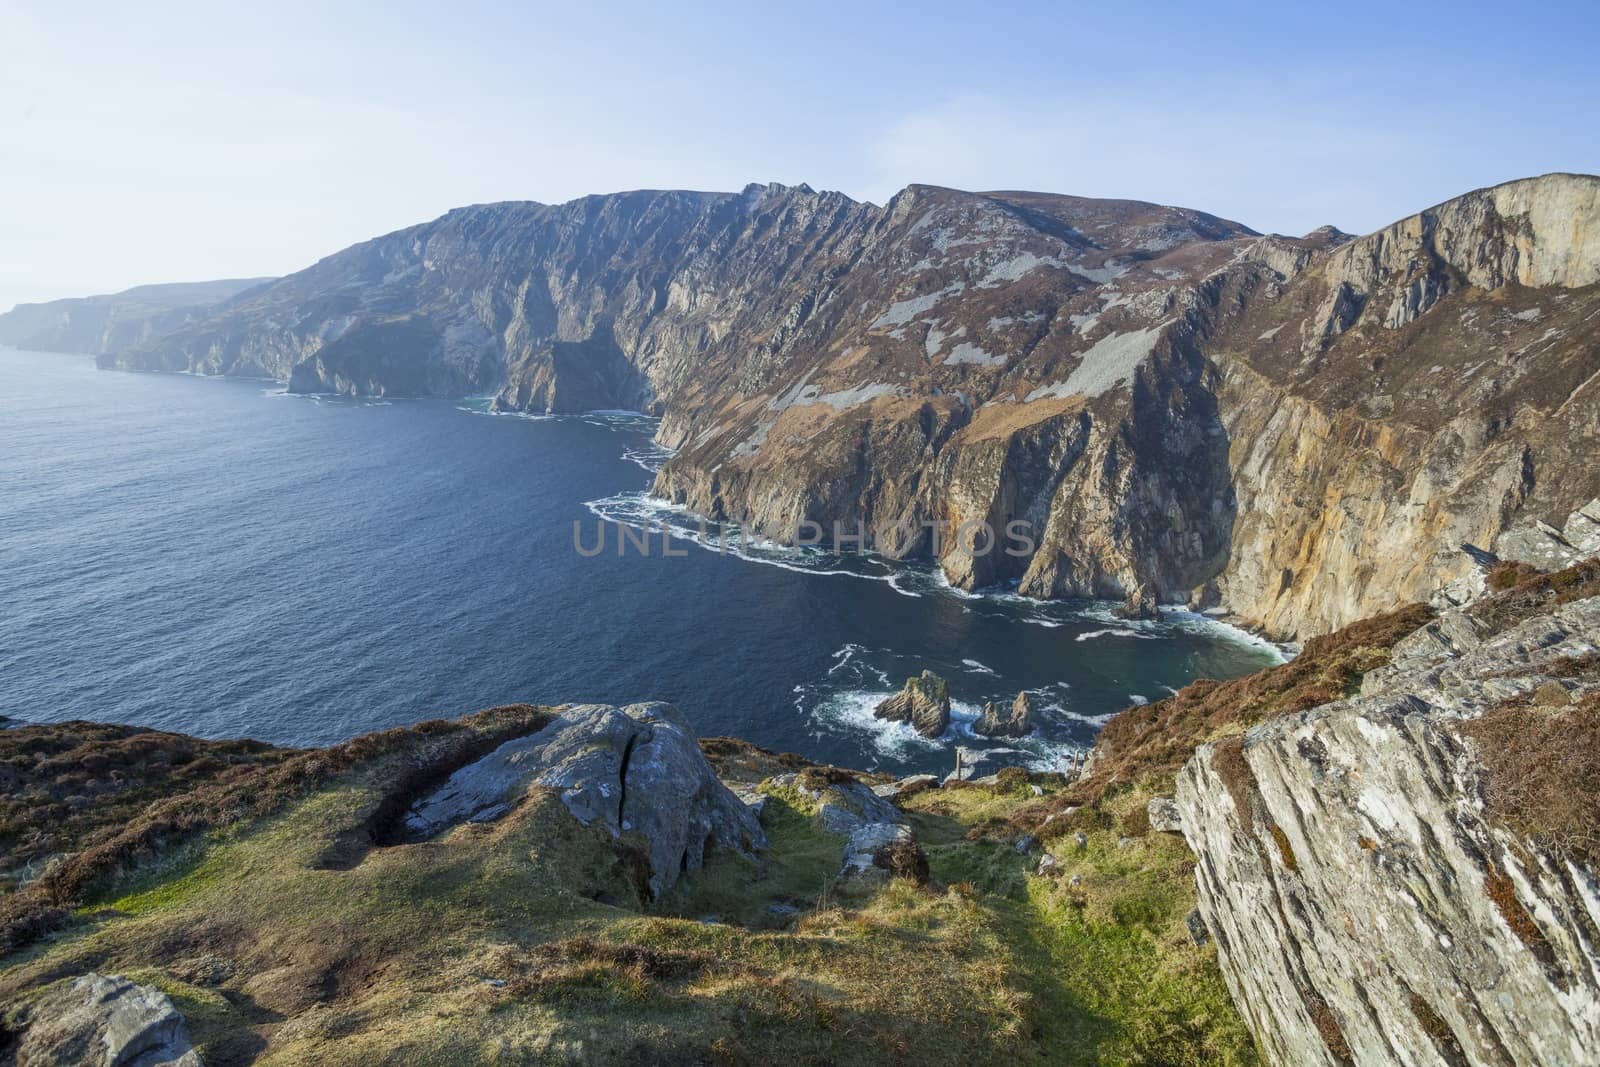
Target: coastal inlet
{"x": 221, "y": 558}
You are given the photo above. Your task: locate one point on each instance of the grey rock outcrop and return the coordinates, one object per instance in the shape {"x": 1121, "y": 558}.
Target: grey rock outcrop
{"x": 861, "y": 850}
{"x": 98, "y": 1019}
{"x": 867, "y": 821}
{"x": 914, "y": 783}
{"x": 1365, "y": 908}
{"x": 1165, "y": 816}
{"x": 637, "y": 769}
{"x": 923, "y": 703}
{"x": 1017, "y": 721}
{"x": 1550, "y": 549}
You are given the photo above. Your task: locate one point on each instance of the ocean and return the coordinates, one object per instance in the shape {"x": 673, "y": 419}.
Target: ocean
{"x": 219, "y": 557}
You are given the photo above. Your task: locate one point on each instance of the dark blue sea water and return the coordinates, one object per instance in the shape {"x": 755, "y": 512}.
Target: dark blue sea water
{"x": 216, "y": 557}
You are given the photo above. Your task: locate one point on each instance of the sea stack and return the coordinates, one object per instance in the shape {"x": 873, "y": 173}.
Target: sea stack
{"x": 924, "y": 702}
{"x": 998, "y": 722}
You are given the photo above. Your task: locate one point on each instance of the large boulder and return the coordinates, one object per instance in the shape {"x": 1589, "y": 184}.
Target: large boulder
{"x": 924, "y": 703}
{"x": 637, "y": 769}
{"x": 97, "y": 1019}
{"x": 1016, "y": 721}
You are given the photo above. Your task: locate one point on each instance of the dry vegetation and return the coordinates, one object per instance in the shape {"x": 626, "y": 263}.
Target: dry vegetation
{"x": 1508, "y": 573}
{"x": 1439, "y": 1032}
{"x": 262, "y": 889}
{"x": 70, "y": 786}
{"x": 1541, "y": 772}
{"x": 1154, "y": 741}
{"x": 210, "y": 795}
{"x": 1537, "y": 593}
{"x": 523, "y": 939}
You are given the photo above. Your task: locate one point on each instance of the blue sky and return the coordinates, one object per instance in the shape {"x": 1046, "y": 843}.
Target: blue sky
{"x": 162, "y": 142}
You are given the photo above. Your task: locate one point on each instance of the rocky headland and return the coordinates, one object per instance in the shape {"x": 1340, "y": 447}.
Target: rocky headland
{"x": 1381, "y": 852}
{"x": 94, "y": 325}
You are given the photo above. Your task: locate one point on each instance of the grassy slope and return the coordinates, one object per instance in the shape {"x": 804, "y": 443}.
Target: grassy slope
{"x": 283, "y": 942}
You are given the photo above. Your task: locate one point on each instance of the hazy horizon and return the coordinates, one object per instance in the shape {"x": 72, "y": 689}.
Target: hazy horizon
{"x": 241, "y": 143}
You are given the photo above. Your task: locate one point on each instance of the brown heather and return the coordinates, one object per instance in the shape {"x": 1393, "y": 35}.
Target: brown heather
{"x": 1541, "y": 772}
{"x": 235, "y": 794}
{"x": 1157, "y": 739}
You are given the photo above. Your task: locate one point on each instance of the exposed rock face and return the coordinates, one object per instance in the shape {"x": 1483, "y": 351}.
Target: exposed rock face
{"x": 1017, "y": 721}
{"x": 1365, "y": 909}
{"x": 1149, "y": 397}
{"x": 1431, "y": 384}
{"x": 94, "y": 324}
{"x": 1550, "y": 549}
{"x": 98, "y": 1019}
{"x": 637, "y": 769}
{"x": 924, "y": 703}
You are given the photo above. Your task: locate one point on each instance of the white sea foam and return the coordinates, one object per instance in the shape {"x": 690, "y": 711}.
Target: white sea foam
{"x": 651, "y": 456}
{"x": 1175, "y": 618}
{"x": 641, "y": 511}
{"x": 851, "y": 711}
{"x": 531, "y": 416}
{"x": 1090, "y": 635}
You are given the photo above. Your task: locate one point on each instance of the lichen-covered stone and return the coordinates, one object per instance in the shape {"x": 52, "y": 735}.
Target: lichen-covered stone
{"x": 1356, "y": 888}
{"x": 637, "y": 769}
{"x": 1165, "y": 815}
{"x": 97, "y": 1019}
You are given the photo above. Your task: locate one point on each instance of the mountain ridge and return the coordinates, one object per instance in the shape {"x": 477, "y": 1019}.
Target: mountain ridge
{"x": 1113, "y": 372}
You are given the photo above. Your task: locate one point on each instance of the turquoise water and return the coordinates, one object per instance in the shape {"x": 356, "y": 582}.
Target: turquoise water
{"x": 221, "y": 558}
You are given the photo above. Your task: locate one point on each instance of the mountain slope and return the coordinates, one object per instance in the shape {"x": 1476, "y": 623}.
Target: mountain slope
{"x": 1306, "y": 429}
{"x": 94, "y": 324}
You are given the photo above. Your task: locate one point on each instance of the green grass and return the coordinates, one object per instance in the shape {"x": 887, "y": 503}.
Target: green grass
{"x": 1108, "y": 960}
{"x": 801, "y": 862}
{"x": 525, "y": 940}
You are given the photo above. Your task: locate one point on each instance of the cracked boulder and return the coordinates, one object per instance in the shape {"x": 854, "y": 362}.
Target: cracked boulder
{"x": 97, "y": 1019}
{"x": 636, "y": 769}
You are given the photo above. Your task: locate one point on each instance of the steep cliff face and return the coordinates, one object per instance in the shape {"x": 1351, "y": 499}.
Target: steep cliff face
{"x": 1383, "y": 874}
{"x": 1152, "y": 397}
{"x": 94, "y": 324}
{"x": 1320, "y": 423}
{"x": 1405, "y": 393}
{"x": 995, "y": 360}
